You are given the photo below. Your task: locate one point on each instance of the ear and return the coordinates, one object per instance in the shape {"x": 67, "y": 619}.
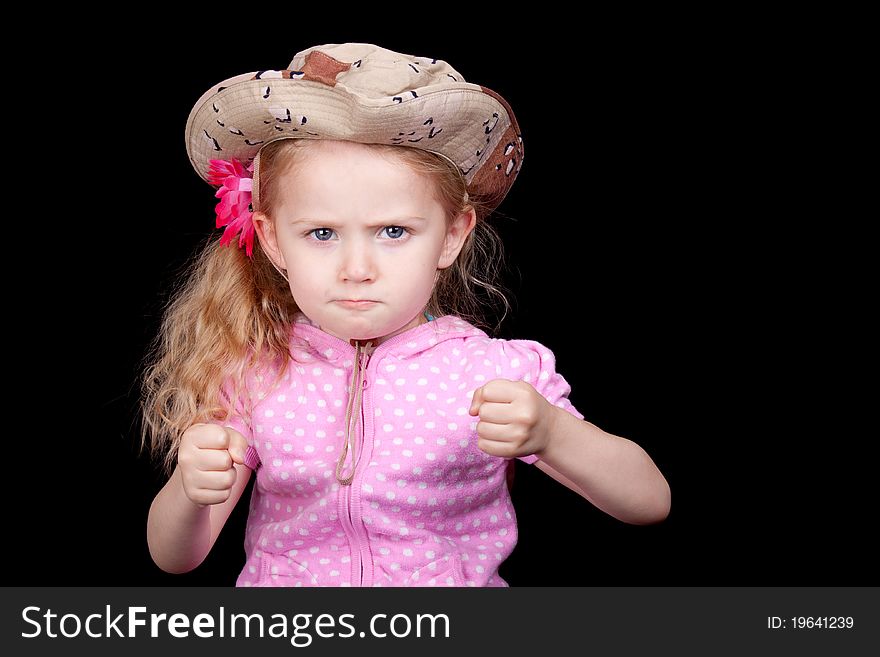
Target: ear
{"x": 265, "y": 229}
{"x": 456, "y": 235}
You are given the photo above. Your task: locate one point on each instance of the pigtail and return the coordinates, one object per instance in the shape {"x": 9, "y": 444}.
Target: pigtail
{"x": 227, "y": 316}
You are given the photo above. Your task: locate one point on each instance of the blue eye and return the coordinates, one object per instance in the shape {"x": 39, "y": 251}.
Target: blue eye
{"x": 322, "y": 234}
{"x": 395, "y": 232}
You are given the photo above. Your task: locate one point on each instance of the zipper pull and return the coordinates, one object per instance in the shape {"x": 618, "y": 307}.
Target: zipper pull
{"x": 364, "y": 349}
{"x": 368, "y": 346}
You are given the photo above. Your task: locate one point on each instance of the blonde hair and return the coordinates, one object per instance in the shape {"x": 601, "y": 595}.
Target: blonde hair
{"x": 231, "y": 313}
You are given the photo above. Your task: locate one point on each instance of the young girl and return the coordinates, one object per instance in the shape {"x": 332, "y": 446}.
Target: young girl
{"x": 328, "y": 341}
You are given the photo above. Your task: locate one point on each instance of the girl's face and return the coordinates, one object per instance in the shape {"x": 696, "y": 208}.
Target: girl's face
{"x": 362, "y": 238}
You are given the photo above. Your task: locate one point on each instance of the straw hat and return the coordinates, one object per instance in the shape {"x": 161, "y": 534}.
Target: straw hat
{"x": 363, "y": 93}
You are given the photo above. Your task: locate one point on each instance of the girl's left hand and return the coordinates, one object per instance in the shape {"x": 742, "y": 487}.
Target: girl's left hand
{"x": 515, "y": 420}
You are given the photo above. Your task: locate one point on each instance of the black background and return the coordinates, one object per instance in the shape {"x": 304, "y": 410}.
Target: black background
{"x": 659, "y": 243}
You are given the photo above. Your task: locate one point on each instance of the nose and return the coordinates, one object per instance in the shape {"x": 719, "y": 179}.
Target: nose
{"x": 358, "y": 264}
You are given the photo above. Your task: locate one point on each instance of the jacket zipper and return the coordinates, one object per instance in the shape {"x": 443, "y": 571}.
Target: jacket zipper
{"x": 351, "y": 493}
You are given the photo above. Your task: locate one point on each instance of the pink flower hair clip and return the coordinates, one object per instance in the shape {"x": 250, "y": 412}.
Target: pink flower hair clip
{"x": 235, "y": 210}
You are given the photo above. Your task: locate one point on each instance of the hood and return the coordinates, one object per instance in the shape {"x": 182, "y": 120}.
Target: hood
{"x": 311, "y": 343}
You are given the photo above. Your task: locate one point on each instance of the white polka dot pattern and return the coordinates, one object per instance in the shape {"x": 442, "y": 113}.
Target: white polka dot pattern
{"x": 427, "y": 507}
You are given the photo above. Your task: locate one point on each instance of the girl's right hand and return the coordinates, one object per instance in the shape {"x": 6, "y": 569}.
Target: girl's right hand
{"x": 206, "y": 459}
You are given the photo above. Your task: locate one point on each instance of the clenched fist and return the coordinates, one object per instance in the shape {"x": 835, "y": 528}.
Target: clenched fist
{"x": 515, "y": 420}
{"x": 206, "y": 459}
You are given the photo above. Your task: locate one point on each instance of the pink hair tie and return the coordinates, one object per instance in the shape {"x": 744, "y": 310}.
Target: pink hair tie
{"x": 234, "y": 209}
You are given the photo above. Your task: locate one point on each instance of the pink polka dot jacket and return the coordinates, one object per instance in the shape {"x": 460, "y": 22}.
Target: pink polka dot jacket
{"x": 425, "y": 507}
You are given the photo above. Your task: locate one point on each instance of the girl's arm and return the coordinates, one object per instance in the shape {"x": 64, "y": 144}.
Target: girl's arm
{"x": 613, "y": 473}
{"x": 181, "y": 533}
{"x": 188, "y": 513}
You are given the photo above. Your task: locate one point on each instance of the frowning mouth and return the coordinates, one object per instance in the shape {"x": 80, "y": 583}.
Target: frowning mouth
{"x": 356, "y": 303}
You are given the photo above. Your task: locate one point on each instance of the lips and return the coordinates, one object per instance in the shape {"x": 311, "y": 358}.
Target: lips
{"x": 356, "y": 303}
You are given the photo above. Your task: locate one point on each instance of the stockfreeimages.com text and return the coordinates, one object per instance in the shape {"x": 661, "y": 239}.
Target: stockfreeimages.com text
{"x": 300, "y": 629}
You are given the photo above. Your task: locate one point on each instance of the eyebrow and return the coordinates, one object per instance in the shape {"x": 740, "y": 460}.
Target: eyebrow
{"x": 329, "y": 224}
